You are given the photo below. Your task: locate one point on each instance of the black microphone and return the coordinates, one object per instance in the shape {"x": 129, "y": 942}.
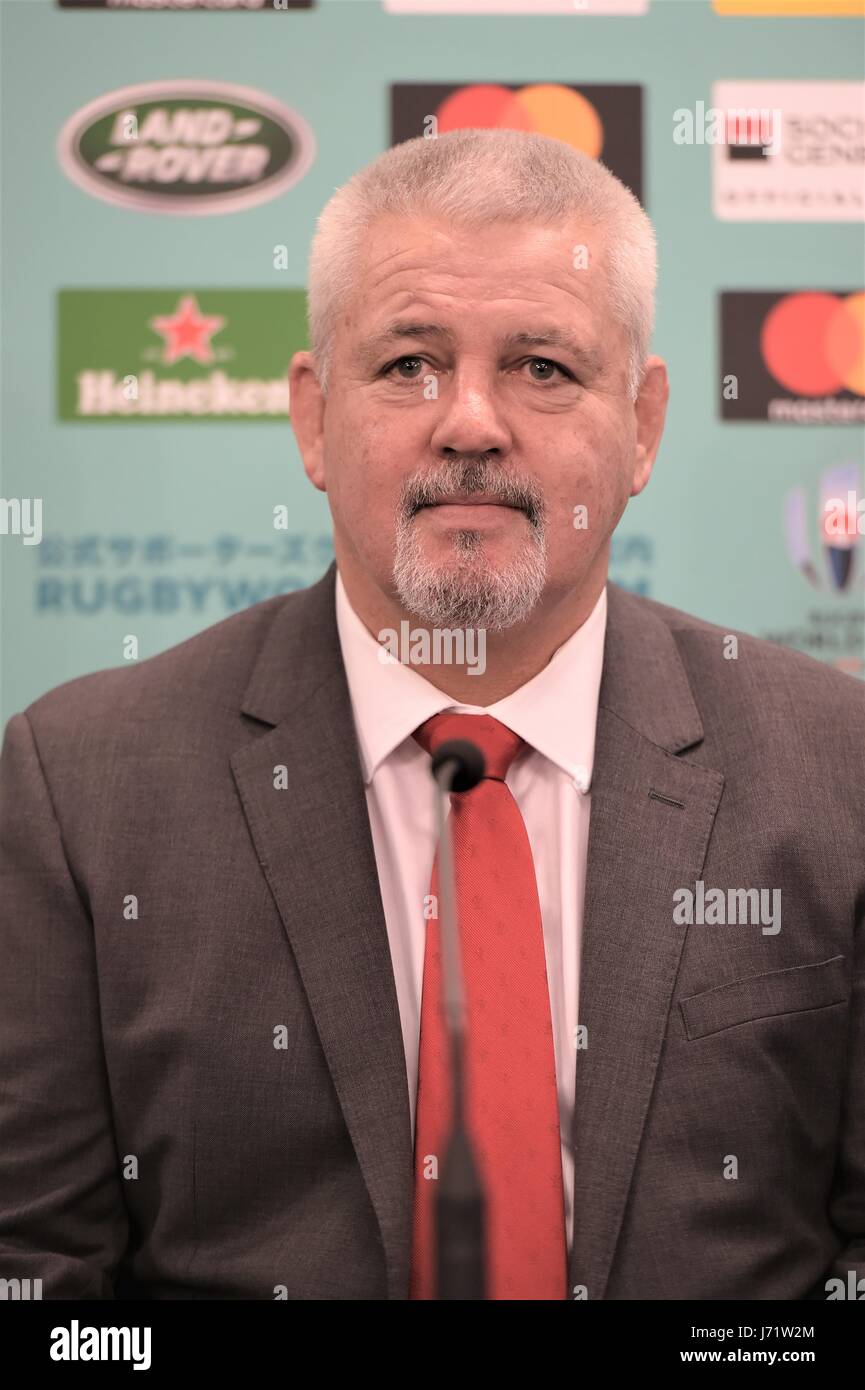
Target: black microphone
{"x": 459, "y": 1202}
{"x": 470, "y": 765}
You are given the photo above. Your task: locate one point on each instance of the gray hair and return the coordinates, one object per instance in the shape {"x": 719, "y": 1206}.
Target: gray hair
{"x": 473, "y": 178}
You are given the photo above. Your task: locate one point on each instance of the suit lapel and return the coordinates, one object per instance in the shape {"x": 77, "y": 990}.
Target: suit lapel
{"x": 315, "y": 847}
{"x": 650, "y": 822}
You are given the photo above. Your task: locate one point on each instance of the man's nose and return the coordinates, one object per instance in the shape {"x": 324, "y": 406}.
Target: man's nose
{"x": 471, "y": 418}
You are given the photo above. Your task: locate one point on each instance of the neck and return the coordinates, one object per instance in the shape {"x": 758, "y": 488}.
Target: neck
{"x": 494, "y": 663}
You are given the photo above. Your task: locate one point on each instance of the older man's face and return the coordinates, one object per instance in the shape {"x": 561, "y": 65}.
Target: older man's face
{"x": 486, "y": 369}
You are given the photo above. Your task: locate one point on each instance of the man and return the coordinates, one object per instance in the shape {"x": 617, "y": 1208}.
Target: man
{"x": 224, "y": 1070}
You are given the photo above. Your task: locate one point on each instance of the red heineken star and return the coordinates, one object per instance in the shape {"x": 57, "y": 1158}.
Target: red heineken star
{"x": 187, "y": 332}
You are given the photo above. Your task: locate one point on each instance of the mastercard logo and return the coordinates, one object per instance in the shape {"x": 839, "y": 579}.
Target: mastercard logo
{"x": 545, "y": 108}
{"x": 814, "y": 343}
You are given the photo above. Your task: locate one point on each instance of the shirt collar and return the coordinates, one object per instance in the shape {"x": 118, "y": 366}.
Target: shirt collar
{"x": 555, "y": 712}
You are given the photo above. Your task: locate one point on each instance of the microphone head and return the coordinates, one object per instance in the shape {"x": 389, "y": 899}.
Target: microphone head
{"x": 471, "y": 767}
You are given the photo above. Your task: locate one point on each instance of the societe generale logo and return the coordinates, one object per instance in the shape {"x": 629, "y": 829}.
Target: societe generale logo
{"x": 187, "y": 146}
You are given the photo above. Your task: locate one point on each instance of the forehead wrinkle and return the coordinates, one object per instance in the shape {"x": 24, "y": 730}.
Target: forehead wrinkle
{"x": 374, "y": 273}
{"x": 529, "y": 295}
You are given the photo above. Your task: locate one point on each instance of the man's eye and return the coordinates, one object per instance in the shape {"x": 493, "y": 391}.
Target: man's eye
{"x": 398, "y": 363}
{"x": 545, "y": 362}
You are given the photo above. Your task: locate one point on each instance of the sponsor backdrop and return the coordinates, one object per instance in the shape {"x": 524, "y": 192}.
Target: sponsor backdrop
{"x": 165, "y": 162}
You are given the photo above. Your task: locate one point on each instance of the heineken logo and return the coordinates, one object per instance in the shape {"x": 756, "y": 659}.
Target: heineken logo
{"x": 142, "y": 355}
{"x": 186, "y": 147}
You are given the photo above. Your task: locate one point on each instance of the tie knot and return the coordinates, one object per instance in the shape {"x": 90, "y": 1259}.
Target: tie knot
{"x": 498, "y": 743}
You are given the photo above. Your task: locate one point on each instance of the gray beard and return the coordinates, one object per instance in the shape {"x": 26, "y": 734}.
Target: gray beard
{"x": 461, "y": 592}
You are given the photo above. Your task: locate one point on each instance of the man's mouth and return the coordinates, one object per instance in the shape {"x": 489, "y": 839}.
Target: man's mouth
{"x": 478, "y": 499}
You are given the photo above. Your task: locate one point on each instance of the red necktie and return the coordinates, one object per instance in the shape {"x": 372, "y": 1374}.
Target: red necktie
{"x": 512, "y": 1111}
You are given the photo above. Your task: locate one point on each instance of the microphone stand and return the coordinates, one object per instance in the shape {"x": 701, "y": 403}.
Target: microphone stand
{"x": 459, "y": 1202}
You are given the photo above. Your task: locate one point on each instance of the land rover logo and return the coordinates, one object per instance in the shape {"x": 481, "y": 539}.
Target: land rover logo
{"x": 193, "y": 148}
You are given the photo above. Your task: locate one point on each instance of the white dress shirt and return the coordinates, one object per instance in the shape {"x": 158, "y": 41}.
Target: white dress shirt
{"x": 555, "y": 713}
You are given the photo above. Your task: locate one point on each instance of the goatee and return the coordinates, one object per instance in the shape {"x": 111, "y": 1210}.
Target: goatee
{"x": 462, "y": 591}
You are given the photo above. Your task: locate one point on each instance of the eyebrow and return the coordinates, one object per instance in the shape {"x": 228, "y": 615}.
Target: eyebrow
{"x": 559, "y": 338}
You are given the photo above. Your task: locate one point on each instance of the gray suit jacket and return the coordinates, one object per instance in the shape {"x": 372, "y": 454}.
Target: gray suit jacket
{"x": 168, "y": 915}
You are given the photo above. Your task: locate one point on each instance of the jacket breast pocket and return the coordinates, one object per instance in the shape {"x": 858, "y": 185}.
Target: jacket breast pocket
{"x": 797, "y": 989}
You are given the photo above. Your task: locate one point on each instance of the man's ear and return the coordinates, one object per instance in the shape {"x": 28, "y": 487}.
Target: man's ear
{"x": 650, "y": 409}
{"x": 306, "y": 404}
